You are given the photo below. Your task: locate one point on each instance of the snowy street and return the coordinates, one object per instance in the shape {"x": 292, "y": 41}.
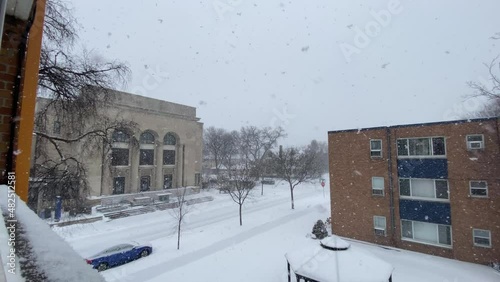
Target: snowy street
{"x": 215, "y": 248}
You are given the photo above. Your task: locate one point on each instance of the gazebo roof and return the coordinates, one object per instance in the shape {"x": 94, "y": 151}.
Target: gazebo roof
{"x": 336, "y": 260}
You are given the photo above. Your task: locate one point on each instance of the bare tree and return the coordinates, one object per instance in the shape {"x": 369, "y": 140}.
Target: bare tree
{"x": 75, "y": 88}
{"x": 214, "y": 145}
{"x": 179, "y": 212}
{"x": 320, "y": 150}
{"x": 295, "y": 165}
{"x": 491, "y": 93}
{"x": 238, "y": 185}
{"x": 256, "y": 143}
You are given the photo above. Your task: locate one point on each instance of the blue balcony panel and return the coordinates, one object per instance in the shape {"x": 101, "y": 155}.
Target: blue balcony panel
{"x": 423, "y": 168}
{"x": 426, "y": 211}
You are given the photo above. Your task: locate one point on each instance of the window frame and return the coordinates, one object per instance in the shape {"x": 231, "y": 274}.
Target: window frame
{"x": 174, "y": 158}
{"x": 168, "y": 137}
{"x": 142, "y": 160}
{"x": 147, "y": 138}
{"x": 148, "y": 180}
{"x": 115, "y": 150}
{"x": 411, "y": 197}
{"x": 379, "y": 151}
{"x": 171, "y": 178}
{"x": 378, "y": 189}
{"x": 120, "y": 136}
{"x": 437, "y": 244}
{"x": 377, "y": 228}
{"x": 475, "y": 236}
{"x": 114, "y": 186}
{"x": 477, "y": 188}
{"x": 431, "y": 147}
{"x": 468, "y": 143}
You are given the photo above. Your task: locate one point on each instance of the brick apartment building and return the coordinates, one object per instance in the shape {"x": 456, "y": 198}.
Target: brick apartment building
{"x": 432, "y": 188}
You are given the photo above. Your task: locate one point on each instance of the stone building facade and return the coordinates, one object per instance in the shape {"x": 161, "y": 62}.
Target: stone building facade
{"x": 164, "y": 151}
{"x": 432, "y": 188}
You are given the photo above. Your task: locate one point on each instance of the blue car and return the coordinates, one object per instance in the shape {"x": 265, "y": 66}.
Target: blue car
{"x": 118, "y": 255}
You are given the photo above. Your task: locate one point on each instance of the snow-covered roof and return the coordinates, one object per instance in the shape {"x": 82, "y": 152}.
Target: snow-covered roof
{"x": 50, "y": 253}
{"x": 347, "y": 263}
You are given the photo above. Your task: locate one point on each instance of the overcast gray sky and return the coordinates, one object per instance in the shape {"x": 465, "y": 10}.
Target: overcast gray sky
{"x": 308, "y": 66}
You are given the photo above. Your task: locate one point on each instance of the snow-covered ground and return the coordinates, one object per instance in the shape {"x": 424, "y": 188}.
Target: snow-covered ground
{"x": 215, "y": 248}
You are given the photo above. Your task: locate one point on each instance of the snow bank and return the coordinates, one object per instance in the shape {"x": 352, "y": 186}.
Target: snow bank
{"x": 52, "y": 255}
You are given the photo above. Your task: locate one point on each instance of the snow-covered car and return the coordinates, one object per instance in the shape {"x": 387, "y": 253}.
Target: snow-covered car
{"x": 119, "y": 254}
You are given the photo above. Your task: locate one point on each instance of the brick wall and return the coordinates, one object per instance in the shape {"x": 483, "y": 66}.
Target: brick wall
{"x": 351, "y": 170}
{"x": 9, "y": 61}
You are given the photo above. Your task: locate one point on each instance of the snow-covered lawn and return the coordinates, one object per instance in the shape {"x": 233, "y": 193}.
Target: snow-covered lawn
{"x": 215, "y": 248}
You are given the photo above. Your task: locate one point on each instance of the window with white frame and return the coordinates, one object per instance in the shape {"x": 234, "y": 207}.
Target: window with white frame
{"x": 475, "y": 142}
{"x": 482, "y": 238}
{"x": 424, "y": 188}
{"x": 478, "y": 188}
{"x": 376, "y": 148}
{"x": 426, "y": 233}
{"x": 378, "y": 186}
{"x": 379, "y": 225}
{"x": 429, "y": 146}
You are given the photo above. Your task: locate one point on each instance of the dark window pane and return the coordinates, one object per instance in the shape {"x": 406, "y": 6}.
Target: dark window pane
{"x": 406, "y": 227}
{"x": 120, "y": 136}
{"x": 474, "y": 138}
{"x": 119, "y": 157}
{"x": 478, "y": 184}
{"x": 145, "y": 183}
{"x": 402, "y": 147}
{"x": 147, "y": 138}
{"x": 404, "y": 187}
{"x": 147, "y": 157}
{"x": 169, "y": 139}
{"x": 167, "y": 181}
{"x": 481, "y": 241}
{"x": 438, "y": 146}
{"x": 118, "y": 185}
{"x": 168, "y": 157}
{"x": 376, "y": 145}
{"x": 442, "y": 189}
{"x": 444, "y": 234}
{"x": 479, "y": 192}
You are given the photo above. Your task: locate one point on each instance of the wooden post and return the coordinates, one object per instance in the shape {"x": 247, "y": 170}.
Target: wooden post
{"x": 27, "y": 101}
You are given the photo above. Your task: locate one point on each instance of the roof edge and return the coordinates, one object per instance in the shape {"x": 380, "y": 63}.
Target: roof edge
{"x": 415, "y": 124}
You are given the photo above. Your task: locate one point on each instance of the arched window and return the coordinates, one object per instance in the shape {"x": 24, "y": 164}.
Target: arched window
{"x": 147, "y": 138}
{"x": 120, "y": 136}
{"x": 120, "y": 151}
{"x": 147, "y": 150}
{"x": 169, "y": 139}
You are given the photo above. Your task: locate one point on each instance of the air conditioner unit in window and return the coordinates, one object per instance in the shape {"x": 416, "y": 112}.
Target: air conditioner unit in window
{"x": 377, "y": 192}
{"x": 379, "y": 232}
